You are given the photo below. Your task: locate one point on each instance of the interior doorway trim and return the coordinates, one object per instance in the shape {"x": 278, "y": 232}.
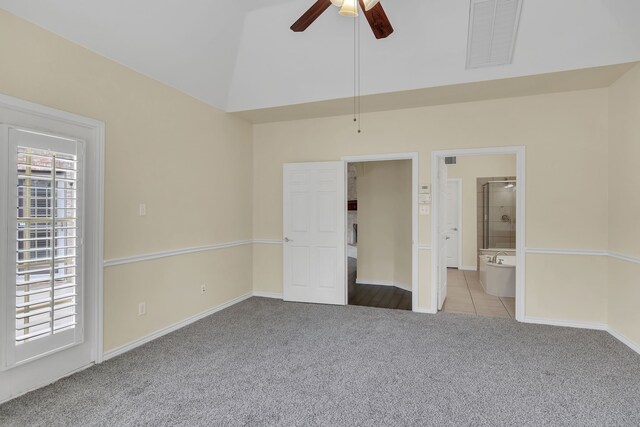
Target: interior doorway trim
{"x": 520, "y": 152}
{"x": 413, "y": 156}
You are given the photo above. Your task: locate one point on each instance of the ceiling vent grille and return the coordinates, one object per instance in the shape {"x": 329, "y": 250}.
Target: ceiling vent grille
{"x": 493, "y": 25}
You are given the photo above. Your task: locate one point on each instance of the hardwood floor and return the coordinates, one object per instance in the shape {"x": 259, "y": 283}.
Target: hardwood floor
{"x": 376, "y": 295}
{"x": 381, "y": 297}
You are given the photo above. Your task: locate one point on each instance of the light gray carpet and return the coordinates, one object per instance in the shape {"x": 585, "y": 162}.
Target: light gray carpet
{"x": 265, "y": 362}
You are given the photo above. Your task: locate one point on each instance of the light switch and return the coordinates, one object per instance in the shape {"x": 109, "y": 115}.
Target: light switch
{"x": 424, "y": 198}
{"x": 143, "y": 209}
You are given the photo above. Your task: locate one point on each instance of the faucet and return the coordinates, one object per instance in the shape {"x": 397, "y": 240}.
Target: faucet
{"x": 494, "y": 258}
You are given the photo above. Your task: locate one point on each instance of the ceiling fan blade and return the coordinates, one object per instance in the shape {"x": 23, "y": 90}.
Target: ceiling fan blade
{"x": 310, "y": 15}
{"x": 378, "y": 20}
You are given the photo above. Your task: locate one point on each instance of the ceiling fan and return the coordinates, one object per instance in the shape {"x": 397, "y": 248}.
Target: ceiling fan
{"x": 373, "y": 11}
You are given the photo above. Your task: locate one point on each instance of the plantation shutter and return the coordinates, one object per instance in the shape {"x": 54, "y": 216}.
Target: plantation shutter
{"x": 45, "y": 244}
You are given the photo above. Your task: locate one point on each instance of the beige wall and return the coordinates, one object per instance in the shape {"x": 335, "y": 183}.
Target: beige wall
{"x": 163, "y": 148}
{"x": 384, "y": 222}
{"x": 171, "y": 289}
{"x": 567, "y": 288}
{"x": 468, "y": 169}
{"x": 565, "y": 136}
{"x": 624, "y": 204}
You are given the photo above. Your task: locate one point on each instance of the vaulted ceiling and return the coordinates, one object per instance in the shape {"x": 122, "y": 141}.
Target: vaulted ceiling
{"x": 241, "y": 55}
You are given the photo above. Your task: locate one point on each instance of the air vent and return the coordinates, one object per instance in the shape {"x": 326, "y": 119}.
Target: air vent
{"x": 493, "y": 25}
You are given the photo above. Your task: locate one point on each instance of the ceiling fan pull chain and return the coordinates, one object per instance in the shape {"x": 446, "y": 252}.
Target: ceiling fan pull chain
{"x": 359, "y": 80}
{"x": 355, "y": 73}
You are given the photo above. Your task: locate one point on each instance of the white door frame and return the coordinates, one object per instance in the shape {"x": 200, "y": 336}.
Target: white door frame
{"x": 459, "y": 181}
{"x": 94, "y": 202}
{"x": 413, "y": 156}
{"x": 520, "y": 152}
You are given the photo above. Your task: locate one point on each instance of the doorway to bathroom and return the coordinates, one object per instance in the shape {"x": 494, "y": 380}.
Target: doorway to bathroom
{"x": 381, "y": 220}
{"x": 478, "y": 231}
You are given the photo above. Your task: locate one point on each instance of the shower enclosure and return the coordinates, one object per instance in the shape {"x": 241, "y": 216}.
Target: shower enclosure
{"x": 499, "y": 214}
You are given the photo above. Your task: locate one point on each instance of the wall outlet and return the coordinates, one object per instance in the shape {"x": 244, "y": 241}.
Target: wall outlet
{"x": 142, "y": 309}
{"x": 142, "y": 209}
{"x": 203, "y": 289}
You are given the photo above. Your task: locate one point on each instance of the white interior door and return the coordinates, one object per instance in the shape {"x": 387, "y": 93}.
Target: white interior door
{"x": 442, "y": 232}
{"x": 453, "y": 226}
{"x": 314, "y": 232}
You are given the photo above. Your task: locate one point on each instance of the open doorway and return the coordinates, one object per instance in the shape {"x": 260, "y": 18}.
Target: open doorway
{"x": 478, "y": 229}
{"x": 380, "y": 233}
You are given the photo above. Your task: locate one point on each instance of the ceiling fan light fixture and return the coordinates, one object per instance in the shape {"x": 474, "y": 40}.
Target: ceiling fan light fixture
{"x": 349, "y": 8}
{"x": 337, "y": 2}
{"x": 368, "y": 4}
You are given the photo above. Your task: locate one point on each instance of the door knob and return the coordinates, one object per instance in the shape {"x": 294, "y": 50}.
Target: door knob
{"x": 455, "y": 229}
{"x": 287, "y": 240}
{"x": 447, "y": 238}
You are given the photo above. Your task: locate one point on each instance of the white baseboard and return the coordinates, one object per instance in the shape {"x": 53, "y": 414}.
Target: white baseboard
{"x": 424, "y": 310}
{"x": 625, "y": 340}
{"x": 360, "y": 281}
{"x": 352, "y": 251}
{"x": 262, "y": 294}
{"x": 403, "y": 286}
{"x": 586, "y": 325}
{"x": 469, "y": 268}
{"x": 379, "y": 283}
{"x": 140, "y": 341}
{"x": 566, "y": 323}
{"x": 532, "y": 320}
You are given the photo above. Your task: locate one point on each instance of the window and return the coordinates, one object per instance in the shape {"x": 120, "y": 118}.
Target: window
{"x": 50, "y": 245}
{"x": 45, "y": 238}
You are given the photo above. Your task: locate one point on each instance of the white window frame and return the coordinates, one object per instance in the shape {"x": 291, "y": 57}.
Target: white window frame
{"x": 39, "y": 348}
{"x": 94, "y": 209}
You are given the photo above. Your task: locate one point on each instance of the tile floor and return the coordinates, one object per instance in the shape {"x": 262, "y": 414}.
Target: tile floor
{"x": 465, "y": 295}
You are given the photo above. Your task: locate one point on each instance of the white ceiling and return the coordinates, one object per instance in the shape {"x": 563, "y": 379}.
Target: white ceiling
{"x": 240, "y": 54}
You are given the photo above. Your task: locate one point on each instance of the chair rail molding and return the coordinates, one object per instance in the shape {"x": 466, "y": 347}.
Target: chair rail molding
{"x": 562, "y": 251}
{"x": 584, "y": 252}
{"x": 175, "y": 252}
